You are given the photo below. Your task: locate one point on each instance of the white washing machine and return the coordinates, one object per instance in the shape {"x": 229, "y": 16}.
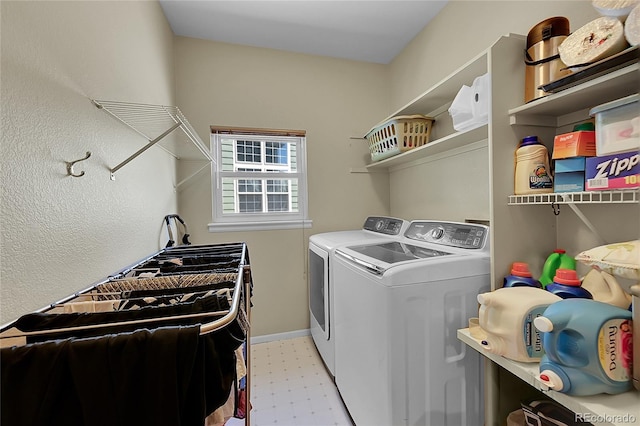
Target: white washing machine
{"x": 321, "y": 251}
{"x": 397, "y": 311}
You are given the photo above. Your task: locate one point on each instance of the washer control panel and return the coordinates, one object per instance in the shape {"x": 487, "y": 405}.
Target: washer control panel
{"x": 383, "y": 225}
{"x": 462, "y": 235}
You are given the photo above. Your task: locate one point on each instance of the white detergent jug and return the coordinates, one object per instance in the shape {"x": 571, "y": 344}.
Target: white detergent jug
{"x": 532, "y": 171}
{"x": 506, "y": 315}
{"x": 605, "y": 288}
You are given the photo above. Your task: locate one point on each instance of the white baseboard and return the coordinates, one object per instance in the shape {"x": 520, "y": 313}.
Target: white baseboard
{"x": 280, "y": 336}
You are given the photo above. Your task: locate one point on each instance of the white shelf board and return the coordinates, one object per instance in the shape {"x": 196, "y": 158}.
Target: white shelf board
{"x": 611, "y": 407}
{"x": 445, "y": 91}
{"x": 614, "y": 85}
{"x": 447, "y": 143}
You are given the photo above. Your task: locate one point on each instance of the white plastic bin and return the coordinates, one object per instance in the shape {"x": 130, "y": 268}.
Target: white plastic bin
{"x": 617, "y": 126}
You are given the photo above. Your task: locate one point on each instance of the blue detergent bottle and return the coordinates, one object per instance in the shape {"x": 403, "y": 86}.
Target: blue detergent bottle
{"x": 520, "y": 277}
{"x": 567, "y": 285}
{"x": 588, "y": 347}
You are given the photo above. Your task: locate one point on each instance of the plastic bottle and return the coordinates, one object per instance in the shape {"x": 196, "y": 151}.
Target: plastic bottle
{"x": 567, "y": 285}
{"x": 587, "y": 126}
{"x": 556, "y": 260}
{"x": 605, "y": 288}
{"x": 506, "y": 315}
{"x": 587, "y": 347}
{"x": 520, "y": 277}
{"x": 533, "y": 172}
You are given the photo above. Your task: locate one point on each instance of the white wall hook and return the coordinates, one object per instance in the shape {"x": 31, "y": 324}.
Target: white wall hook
{"x": 70, "y": 165}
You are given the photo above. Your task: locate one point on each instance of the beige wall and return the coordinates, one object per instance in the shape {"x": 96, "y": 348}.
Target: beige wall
{"x": 60, "y": 234}
{"x": 457, "y": 187}
{"x": 333, "y": 100}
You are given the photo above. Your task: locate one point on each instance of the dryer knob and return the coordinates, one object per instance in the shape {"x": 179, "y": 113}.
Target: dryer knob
{"x": 437, "y": 233}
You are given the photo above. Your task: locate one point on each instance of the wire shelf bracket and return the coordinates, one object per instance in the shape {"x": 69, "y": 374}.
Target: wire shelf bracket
{"x": 154, "y": 123}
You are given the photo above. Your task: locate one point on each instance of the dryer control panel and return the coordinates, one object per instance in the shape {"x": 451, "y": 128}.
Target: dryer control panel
{"x": 461, "y": 235}
{"x": 383, "y": 225}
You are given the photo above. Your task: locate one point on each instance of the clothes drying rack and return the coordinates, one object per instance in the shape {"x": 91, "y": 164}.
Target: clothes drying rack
{"x": 176, "y": 271}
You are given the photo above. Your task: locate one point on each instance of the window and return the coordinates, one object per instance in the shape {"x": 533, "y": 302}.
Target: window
{"x": 259, "y": 179}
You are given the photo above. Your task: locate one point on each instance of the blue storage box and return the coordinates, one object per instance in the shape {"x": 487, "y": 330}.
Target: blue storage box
{"x": 569, "y": 175}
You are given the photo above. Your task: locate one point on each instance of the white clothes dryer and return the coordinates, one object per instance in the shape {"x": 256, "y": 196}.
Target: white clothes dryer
{"x": 398, "y": 306}
{"x": 321, "y": 285}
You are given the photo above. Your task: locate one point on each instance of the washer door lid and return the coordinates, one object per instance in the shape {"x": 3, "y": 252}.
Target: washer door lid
{"x": 394, "y": 252}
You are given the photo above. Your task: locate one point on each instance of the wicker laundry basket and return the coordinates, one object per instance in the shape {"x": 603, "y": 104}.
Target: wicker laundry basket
{"x": 399, "y": 134}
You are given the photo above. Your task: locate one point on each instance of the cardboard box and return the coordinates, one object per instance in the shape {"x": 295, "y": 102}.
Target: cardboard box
{"x": 575, "y": 144}
{"x": 569, "y": 175}
{"x": 618, "y": 171}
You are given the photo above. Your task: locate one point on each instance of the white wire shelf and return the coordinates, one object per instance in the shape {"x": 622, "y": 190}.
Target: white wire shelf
{"x": 157, "y": 123}
{"x": 626, "y": 196}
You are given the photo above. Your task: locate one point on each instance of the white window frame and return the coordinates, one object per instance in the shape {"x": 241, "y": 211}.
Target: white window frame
{"x": 225, "y": 222}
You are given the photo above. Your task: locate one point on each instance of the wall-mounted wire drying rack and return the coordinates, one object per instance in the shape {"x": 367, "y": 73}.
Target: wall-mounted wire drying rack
{"x": 157, "y": 123}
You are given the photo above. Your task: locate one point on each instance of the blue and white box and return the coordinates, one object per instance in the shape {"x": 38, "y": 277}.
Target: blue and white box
{"x": 569, "y": 174}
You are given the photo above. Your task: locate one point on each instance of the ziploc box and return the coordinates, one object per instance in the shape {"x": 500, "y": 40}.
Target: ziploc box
{"x": 575, "y": 144}
{"x": 569, "y": 175}
{"x": 618, "y": 171}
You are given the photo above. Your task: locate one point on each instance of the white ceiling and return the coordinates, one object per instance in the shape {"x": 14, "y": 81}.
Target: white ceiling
{"x": 361, "y": 30}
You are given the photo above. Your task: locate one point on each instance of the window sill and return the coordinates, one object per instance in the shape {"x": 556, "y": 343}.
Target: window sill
{"x": 260, "y": 226}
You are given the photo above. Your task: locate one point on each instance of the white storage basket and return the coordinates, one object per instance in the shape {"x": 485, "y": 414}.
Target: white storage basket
{"x": 398, "y": 134}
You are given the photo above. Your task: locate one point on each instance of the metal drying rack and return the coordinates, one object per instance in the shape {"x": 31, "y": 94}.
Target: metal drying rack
{"x": 234, "y": 275}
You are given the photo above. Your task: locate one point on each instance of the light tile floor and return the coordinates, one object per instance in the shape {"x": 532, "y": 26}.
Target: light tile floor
{"x": 291, "y": 387}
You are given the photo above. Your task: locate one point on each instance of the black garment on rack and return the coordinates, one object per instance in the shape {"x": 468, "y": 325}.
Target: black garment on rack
{"x": 143, "y": 302}
{"x": 162, "y": 377}
{"x": 229, "y": 337}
